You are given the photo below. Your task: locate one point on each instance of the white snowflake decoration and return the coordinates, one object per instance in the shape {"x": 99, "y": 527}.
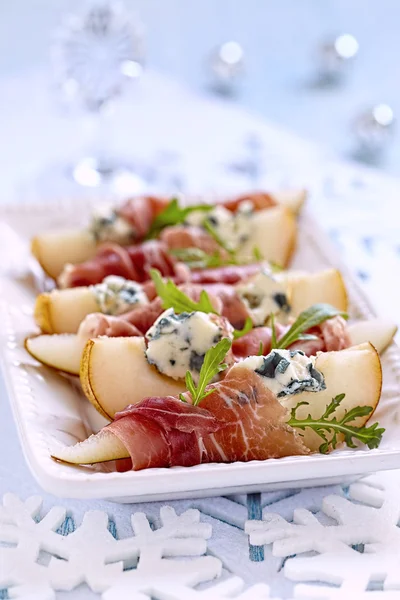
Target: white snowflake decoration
{"x": 363, "y": 546}
{"x": 91, "y": 555}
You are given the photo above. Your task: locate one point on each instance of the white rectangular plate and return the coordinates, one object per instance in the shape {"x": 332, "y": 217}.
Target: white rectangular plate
{"x": 50, "y": 409}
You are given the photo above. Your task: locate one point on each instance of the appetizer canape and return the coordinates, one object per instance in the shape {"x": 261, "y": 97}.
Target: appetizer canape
{"x": 281, "y": 404}
{"x": 109, "y": 366}
{"x": 138, "y": 218}
{"x": 247, "y": 305}
{"x": 62, "y": 311}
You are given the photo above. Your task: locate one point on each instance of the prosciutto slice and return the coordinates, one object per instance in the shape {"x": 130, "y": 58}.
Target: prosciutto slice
{"x": 232, "y": 306}
{"x": 131, "y": 262}
{"x": 141, "y": 211}
{"x": 240, "y": 420}
{"x": 98, "y": 324}
{"x": 191, "y": 237}
{"x": 331, "y": 335}
{"x": 229, "y": 274}
{"x": 259, "y": 200}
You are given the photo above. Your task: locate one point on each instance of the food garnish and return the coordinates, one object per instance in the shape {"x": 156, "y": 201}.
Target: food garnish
{"x": 173, "y": 297}
{"x": 173, "y": 214}
{"x": 311, "y": 317}
{"x": 371, "y": 436}
{"x": 212, "y": 365}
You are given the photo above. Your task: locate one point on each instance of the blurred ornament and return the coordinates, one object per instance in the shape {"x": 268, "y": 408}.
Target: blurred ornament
{"x": 227, "y": 66}
{"x": 96, "y": 55}
{"x": 335, "y": 56}
{"x": 373, "y": 130}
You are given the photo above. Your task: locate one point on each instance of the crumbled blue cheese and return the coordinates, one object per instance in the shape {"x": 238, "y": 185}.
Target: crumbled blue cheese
{"x": 233, "y": 228}
{"x": 116, "y": 295}
{"x": 178, "y": 343}
{"x": 263, "y": 295}
{"x": 287, "y": 372}
{"x": 108, "y": 226}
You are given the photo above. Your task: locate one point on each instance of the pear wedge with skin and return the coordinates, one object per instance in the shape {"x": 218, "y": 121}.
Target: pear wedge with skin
{"x": 54, "y": 249}
{"x": 62, "y": 311}
{"x": 115, "y": 372}
{"x": 273, "y": 233}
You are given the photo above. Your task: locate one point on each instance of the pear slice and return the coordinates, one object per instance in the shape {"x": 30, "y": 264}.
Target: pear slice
{"x": 102, "y": 447}
{"x": 355, "y": 372}
{"x": 273, "y": 232}
{"x": 54, "y": 249}
{"x": 62, "y": 311}
{"x": 115, "y": 373}
{"x": 310, "y": 288}
{"x": 293, "y": 199}
{"x": 379, "y": 332}
{"x": 61, "y": 352}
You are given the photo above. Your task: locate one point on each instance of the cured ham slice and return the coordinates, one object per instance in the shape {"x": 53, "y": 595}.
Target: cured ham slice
{"x": 229, "y": 274}
{"x": 331, "y": 335}
{"x": 259, "y": 200}
{"x": 191, "y": 237}
{"x": 232, "y": 306}
{"x": 135, "y": 262}
{"x": 134, "y": 322}
{"x": 131, "y": 262}
{"x": 249, "y": 344}
{"x": 98, "y": 324}
{"x": 141, "y": 211}
{"x": 240, "y": 421}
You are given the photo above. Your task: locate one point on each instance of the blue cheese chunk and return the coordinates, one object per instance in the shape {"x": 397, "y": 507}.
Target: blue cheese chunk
{"x": 263, "y": 294}
{"x": 232, "y": 228}
{"x": 108, "y": 226}
{"x": 116, "y": 295}
{"x": 287, "y": 372}
{"x": 178, "y": 343}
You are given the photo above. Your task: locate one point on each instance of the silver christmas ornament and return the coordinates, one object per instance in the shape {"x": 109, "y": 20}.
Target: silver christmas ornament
{"x": 98, "y": 52}
{"x": 227, "y": 66}
{"x": 335, "y": 56}
{"x": 373, "y": 130}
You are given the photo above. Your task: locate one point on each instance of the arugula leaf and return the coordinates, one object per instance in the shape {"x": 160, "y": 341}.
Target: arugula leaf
{"x": 215, "y": 235}
{"x": 273, "y": 332}
{"x": 260, "y": 349}
{"x": 248, "y": 326}
{"x": 212, "y": 365}
{"x": 371, "y": 435}
{"x": 257, "y": 254}
{"x": 173, "y": 214}
{"x": 172, "y": 297}
{"x": 198, "y": 259}
{"x": 315, "y": 315}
